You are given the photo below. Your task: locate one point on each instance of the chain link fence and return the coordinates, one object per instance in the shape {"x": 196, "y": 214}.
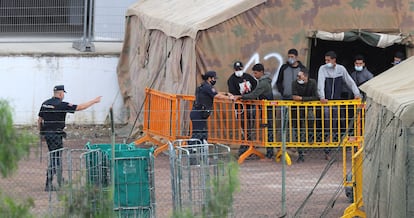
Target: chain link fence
{"x": 313, "y": 188}
{"x": 86, "y": 21}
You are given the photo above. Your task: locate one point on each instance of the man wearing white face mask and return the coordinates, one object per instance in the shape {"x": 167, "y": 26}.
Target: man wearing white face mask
{"x": 288, "y": 73}
{"x": 303, "y": 89}
{"x": 331, "y": 76}
{"x": 240, "y": 83}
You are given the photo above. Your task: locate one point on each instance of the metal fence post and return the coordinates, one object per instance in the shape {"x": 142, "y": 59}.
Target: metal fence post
{"x": 85, "y": 43}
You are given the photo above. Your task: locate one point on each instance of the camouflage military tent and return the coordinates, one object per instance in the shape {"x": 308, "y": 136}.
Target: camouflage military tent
{"x": 168, "y": 44}
{"x": 388, "y": 187}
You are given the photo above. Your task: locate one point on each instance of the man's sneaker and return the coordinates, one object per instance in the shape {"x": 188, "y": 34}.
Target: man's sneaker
{"x": 301, "y": 158}
{"x": 269, "y": 155}
{"x": 242, "y": 149}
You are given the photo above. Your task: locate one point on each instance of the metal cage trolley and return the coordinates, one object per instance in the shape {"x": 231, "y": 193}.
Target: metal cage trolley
{"x": 88, "y": 172}
{"x": 194, "y": 166}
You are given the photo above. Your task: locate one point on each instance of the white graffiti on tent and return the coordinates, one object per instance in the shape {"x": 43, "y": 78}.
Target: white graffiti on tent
{"x": 255, "y": 58}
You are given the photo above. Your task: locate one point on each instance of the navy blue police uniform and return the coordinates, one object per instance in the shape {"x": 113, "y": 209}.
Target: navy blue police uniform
{"x": 204, "y": 101}
{"x": 53, "y": 112}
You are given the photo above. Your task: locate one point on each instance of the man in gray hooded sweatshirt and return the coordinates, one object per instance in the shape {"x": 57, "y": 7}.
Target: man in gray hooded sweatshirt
{"x": 262, "y": 91}
{"x": 288, "y": 73}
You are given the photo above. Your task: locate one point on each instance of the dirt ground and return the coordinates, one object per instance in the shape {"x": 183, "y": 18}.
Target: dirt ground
{"x": 259, "y": 195}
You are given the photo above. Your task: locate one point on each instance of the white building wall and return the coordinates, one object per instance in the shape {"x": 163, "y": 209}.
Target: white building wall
{"x": 26, "y": 81}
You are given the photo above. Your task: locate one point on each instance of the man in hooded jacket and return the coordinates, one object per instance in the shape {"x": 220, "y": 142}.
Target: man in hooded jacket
{"x": 263, "y": 91}
{"x": 288, "y": 73}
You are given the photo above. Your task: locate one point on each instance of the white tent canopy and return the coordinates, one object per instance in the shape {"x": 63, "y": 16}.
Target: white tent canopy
{"x": 394, "y": 89}
{"x": 198, "y": 15}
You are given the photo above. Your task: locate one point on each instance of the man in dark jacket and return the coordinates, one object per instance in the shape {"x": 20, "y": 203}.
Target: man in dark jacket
{"x": 361, "y": 74}
{"x": 304, "y": 89}
{"x": 288, "y": 73}
{"x": 240, "y": 83}
{"x": 51, "y": 123}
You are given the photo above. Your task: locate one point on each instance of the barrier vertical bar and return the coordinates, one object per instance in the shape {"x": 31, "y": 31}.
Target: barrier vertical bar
{"x": 283, "y": 160}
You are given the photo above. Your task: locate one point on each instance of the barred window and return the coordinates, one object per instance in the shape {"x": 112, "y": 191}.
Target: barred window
{"x": 54, "y": 18}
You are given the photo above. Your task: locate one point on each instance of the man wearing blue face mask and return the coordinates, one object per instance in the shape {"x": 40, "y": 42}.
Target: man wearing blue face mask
{"x": 331, "y": 77}
{"x": 361, "y": 74}
{"x": 288, "y": 73}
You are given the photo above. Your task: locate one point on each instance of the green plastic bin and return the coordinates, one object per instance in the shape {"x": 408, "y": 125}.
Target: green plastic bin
{"x": 134, "y": 182}
{"x": 134, "y": 185}
{"x": 98, "y": 162}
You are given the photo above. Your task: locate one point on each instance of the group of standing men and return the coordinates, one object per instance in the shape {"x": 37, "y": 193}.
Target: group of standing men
{"x": 293, "y": 83}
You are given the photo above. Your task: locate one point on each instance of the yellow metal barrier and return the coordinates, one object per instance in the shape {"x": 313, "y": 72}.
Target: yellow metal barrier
{"x": 354, "y": 210}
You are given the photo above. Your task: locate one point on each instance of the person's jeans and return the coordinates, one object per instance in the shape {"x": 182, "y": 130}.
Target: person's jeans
{"x": 331, "y": 125}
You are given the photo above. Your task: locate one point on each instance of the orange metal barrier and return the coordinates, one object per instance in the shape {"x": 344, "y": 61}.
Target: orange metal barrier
{"x": 165, "y": 118}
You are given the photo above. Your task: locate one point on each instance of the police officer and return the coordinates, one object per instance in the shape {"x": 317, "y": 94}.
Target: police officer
{"x": 51, "y": 122}
{"x": 203, "y": 104}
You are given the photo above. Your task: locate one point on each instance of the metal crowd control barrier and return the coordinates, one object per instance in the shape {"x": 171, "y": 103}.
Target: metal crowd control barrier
{"x": 90, "y": 168}
{"x": 338, "y": 123}
{"x": 194, "y": 166}
{"x": 165, "y": 117}
{"x": 255, "y": 123}
{"x": 354, "y": 210}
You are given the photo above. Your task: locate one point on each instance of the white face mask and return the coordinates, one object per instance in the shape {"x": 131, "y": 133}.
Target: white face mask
{"x": 301, "y": 81}
{"x": 239, "y": 73}
{"x": 329, "y": 65}
{"x": 291, "y": 60}
{"x": 359, "y": 68}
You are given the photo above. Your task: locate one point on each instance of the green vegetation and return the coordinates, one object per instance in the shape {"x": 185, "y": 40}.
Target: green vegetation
{"x": 220, "y": 203}
{"x": 14, "y": 145}
{"x": 224, "y": 186}
{"x": 358, "y": 4}
{"x": 86, "y": 201}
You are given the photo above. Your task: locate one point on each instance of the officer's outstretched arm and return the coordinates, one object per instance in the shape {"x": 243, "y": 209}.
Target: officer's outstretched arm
{"x": 85, "y": 105}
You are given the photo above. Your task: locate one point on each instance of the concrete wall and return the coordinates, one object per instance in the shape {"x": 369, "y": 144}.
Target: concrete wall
{"x": 28, "y": 80}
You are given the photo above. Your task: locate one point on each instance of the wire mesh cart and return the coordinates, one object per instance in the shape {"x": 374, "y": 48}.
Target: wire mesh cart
{"x": 88, "y": 172}
{"x": 195, "y": 166}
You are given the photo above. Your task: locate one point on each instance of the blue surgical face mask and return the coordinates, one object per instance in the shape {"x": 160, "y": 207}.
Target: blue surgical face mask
{"x": 291, "y": 60}
{"x": 359, "y": 68}
{"x": 329, "y": 65}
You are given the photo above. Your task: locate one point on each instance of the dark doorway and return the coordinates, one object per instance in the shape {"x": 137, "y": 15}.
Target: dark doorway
{"x": 377, "y": 59}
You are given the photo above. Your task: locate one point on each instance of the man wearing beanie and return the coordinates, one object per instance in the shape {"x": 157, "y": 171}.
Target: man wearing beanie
{"x": 288, "y": 73}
